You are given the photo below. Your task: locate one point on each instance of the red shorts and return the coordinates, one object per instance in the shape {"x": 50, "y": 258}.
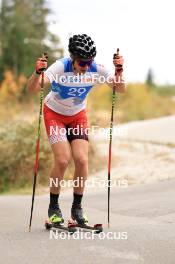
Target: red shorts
{"x": 61, "y": 128}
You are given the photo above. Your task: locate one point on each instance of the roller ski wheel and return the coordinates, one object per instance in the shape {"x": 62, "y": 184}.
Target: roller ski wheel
{"x": 71, "y": 228}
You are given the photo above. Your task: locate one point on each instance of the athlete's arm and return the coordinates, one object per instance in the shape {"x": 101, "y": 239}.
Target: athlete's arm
{"x": 34, "y": 82}
{"x": 119, "y": 84}
{"x": 110, "y": 80}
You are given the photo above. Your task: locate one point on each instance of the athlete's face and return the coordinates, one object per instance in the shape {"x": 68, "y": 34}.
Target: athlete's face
{"x": 81, "y": 67}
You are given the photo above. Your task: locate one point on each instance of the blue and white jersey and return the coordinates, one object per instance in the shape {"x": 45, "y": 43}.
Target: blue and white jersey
{"x": 68, "y": 90}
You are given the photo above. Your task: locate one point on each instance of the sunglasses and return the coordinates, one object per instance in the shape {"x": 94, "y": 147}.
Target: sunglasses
{"x": 82, "y": 63}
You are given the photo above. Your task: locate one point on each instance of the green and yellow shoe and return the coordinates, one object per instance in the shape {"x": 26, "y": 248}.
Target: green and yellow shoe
{"x": 55, "y": 215}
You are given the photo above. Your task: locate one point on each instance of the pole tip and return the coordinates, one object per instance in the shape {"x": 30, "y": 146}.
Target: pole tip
{"x": 108, "y": 225}
{"x": 29, "y": 228}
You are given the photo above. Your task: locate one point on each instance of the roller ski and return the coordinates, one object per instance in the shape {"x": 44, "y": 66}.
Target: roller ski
{"x": 79, "y": 220}
{"x": 56, "y": 221}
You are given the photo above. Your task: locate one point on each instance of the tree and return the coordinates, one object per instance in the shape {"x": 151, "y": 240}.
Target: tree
{"x": 24, "y": 35}
{"x": 150, "y": 78}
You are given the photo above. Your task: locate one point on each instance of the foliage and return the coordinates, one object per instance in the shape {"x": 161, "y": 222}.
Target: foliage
{"x": 138, "y": 103}
{"x": 150, "y": 78}
{"x": 17, "y": 143}
{"x": 11, "y": 88}
{"x": 24, "y": 35}
{"x": 141, "y": 103}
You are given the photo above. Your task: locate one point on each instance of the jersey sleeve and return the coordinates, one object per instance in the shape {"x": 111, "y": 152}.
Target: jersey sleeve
{"x": 103, "y": 71}
{"x": 54, "y": 70}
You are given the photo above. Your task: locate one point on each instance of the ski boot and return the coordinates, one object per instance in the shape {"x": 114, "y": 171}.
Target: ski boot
{"x": 77, "y": 214}
{"x": 55, "y": 215}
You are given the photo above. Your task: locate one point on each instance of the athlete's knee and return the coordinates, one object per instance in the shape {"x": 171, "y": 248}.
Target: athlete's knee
{"x": 62, "y": 161}
{"x": 81, "y": 161}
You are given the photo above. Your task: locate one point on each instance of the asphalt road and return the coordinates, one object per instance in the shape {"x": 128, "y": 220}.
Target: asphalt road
{"x": 145, "y": 215}
{"x": 159, "y": 130}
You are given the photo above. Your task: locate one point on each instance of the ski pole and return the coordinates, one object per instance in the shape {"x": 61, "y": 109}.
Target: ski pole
{"x": 110, "y": 141}
{"x": 38, "y": 141}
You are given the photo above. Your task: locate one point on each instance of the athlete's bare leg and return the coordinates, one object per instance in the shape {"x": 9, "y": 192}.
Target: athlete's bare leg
{"x": 80, "y": 156}
{"x": 62, "y": 154}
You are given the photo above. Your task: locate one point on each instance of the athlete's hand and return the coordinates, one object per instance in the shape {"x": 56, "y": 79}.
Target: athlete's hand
{"x": 118, "y": 60}
{"x": 41, "y": 65}
{"x": 118, "y": 63}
